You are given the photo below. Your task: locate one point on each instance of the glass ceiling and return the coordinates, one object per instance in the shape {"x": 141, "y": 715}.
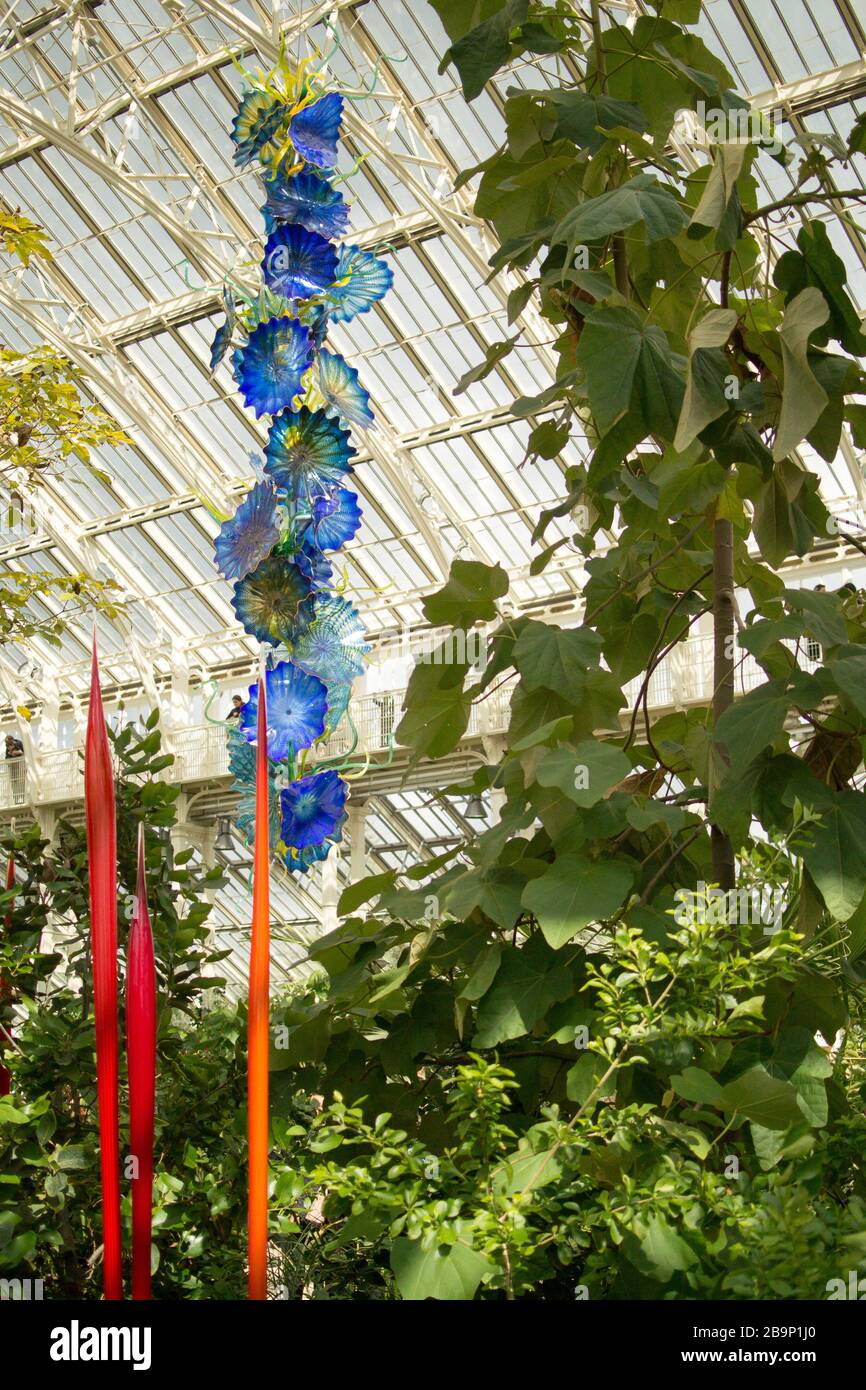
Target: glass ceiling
{"x": 114, "y": 119}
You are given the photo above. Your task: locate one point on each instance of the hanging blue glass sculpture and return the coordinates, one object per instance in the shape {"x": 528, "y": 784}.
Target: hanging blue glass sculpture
{"x": 280, "y": 545}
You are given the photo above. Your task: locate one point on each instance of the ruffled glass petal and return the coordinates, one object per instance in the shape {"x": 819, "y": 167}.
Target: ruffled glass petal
{"x": 307, "y": 452}
{"x": 336, "y": 519}
{"x": 310, "y": 201}
{"x": 269, "y": 369}
{"x": 332, "y": 644}
{"x": 342, "y": 391}
{"x": 250, "y": 535}
{"x": 313, "y": 810}
{"x": 316, "y": 129}
{"x": 367, "y": 279}
{"x": 270, "y": 601}
{"x": 297, "y": 704}
{"x": 298, "y": 264}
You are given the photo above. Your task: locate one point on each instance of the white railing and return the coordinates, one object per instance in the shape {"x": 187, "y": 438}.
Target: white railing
{"x": 685, "y": 677}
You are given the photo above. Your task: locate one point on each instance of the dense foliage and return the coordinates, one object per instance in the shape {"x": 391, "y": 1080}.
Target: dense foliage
{"x": 49, "y": 1191}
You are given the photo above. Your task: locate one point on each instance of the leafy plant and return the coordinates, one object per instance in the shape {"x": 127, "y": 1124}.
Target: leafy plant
{"x": 44, "y": 424}
{"x": 49, "y": 1207}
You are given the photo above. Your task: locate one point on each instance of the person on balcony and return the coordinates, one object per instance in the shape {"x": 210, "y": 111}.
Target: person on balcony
{"x": 15, "y": 773}
{"x": 237, "y": 704}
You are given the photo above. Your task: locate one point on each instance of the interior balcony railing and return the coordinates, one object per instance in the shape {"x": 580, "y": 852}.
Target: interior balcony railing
{"x": 50, "y": 777}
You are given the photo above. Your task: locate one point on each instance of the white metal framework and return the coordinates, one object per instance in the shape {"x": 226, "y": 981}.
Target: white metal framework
{"x": 114, "y": 120}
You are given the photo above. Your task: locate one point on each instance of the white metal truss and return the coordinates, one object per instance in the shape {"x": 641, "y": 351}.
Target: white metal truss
{"x": 85, "y": 86}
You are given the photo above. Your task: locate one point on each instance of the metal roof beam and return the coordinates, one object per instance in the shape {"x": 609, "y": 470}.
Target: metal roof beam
{"x": 817, "y": 92}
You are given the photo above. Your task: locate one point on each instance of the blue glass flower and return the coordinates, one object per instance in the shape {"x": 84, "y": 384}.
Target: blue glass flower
{"x": 313, "y": 565}
{"x": 223, "y": 335}
{"x": 270, "y": 601}
{"x": 332, "y": 644}
{"x": 269, "y": 369}
{"x": 336, "y": 519}
{"x": 344, "y": 395}
{"x": 367, "y": 279}
{"x": 313, "y": 810}
{"x": 250, "y": 535}
{"x": 259, "y": 117}
{"x": 307, "y": 452}
{"x": 298, "y": 263}
{"x": 317, "y": 320}
{"x": 297, "y": 704}
{"x": 339, "y": 694}
{"x": 242, "y": 766}
{"x": 316, "y": 129}
{"x": 310, "y": 201}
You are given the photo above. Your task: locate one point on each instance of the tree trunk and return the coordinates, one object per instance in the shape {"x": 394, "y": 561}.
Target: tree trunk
{"x": 723, "y": 677}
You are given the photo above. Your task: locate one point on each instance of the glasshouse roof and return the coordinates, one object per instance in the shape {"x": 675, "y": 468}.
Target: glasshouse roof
{"x": 115, "y": 136}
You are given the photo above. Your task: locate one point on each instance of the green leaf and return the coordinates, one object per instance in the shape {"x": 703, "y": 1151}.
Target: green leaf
{"x": 788, "y": 513}
{"x": 641, "y": 199}
{"x": 817, "y": 263}
{"x": 437, "y": 711}
{"x": 584, "y": 117}
{"x": 365, "y": 889}
{"x": 836, "y": 858}
{"x": 654, "y": 64}
{"x": 822, "y": 617}
{"x": 525, "y": 1171}
{"x": 518, "y": 300}
{"x": 582, "y": 1079}
{"x": 704, "y": 399}
{"x": 768, "y": 1100}
{"x": 574, "y": 892}
{"x": 556, "y": 729}
{"x": 720, "y": 191}
{"x": 696, "y": 1085}
{"x": 583, "y": 773}
{"x": 848, "y": 668}
{"x": 798, "y": 1059}
{"x": 72, "y": 1157}
{"x": 803, "y": 397}
{"x": 753, "y": 722}
{"x": 530, "y": 979}
{"x": 484, "y": 48}
{"x": 628, "y": 365}
{"x": 657, "y": 1250}
{"x": 448, "y": 1273}
{"x": 495, "y": 354}
{"x": 469, "y": 596}
{"x": 495, "y": 890}
{"x": 555, "y": 658}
